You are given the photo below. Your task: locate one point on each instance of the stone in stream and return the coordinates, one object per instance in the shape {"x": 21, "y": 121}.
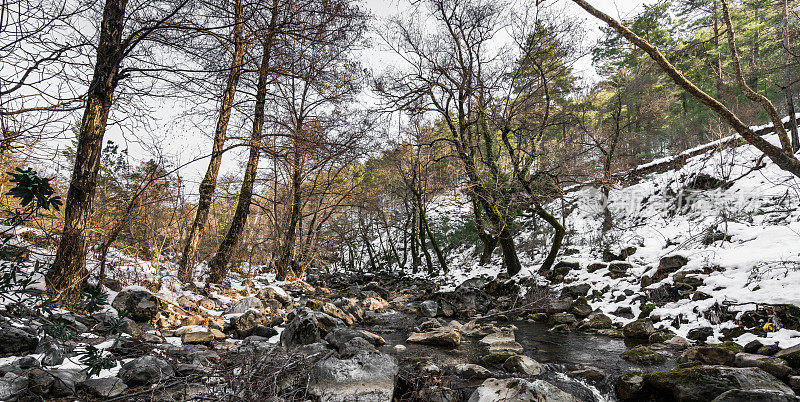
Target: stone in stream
{"x": 630, "y": 386}
{"x": 643, "y": 356}
{"x": 588, "y": 372}
{"x": 501, "y": 341}
{"x": 704, "y": 383}
{"x": 428, "y": 308}
{"x": 768, "y": 350}
{"x": 708, "y": 355}
{"x": 333, "y": 311}
{"x": 307, "y": 327}
{"x": 524, "y": 365}
{"x": 341, "y": 336}
{"x": 367, "y": 376}
{"x": 139, "y": 303}
{"x": 755, "y": 395}
{"x": 517, "y": 389}
{"x": 580, "y": 307}
{"x": 753, "y": 346}
{"x": 437, "y": 393}
{"x": 598, "y": 320}
{"x": 472, "y": 371}
{"x": 639, "y": 329}
{"x": 445, "y": 336}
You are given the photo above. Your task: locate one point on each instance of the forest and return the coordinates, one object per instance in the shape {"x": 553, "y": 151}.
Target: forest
{"x": 407, "y": 200}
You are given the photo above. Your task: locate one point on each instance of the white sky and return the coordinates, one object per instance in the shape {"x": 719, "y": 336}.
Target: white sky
{"x": 183, "y": 143}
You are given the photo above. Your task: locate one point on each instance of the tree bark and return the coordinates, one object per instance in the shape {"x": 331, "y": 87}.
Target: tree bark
{"x": 294, "y": 218}
{"x": 784, "y": 158}
{"x": 68, "y": 273}
{"x": 219, "y": 263}
{"x": 787, "y": 78}
{"x": 209, "y": 183}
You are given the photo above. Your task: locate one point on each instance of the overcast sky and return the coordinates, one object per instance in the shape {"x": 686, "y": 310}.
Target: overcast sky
{"x": 183, "y": 143}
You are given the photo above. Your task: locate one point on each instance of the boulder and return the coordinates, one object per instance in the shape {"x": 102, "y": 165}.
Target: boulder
{"x": 472, "y": 371}
{"x": 341, "y": 336}
{"x": 643, "y": 355}
{"x": 704, "y": 383}
{"x": 436, "y": 393}
{"x": 791, "y": 355}
{"x": 517, "y": 389}
{"x": 575, "y": 291}
{"x": 198, "y": 338}
{"x": 247, "y": 322}
{"x": 107, "y": 387}
{"x": 523, "y": 365}
{"x": 562, "y": 318}
{"x": 598, "y": 320}
{"x": 53, "y": 352}
{"x": 65, "y": 381}
{"x": 755, "y": 395}
{"x": 275, "y": 293}
{"x": 241, "y": 306}
{"x": 333, "y": 311}
{"x": 639, "y": 329}
{"x": 367, "y": 376}
{"x": 445, "y": 336}
{"x": 145, "y": 370}
{"x": 753, "y": 346}
{"x": 558, "y": 306}
{"x": 588, "y": 372}
{"x": 630, "y": 386}
{"x": 700, "y": 334}
{"x": 16, "y": 341}
{"x": 580, "y": 307}
{"x": 428, "y": 308}
{"x": 375, "y": 304}
{"x": 303, "y": 329}
{"x": 188, "y": 303}
{"x": 139, "y": 303}
{"x": 12, "y": 385}
{"x": 708, "y": 355}
{"x": 501, "y": 341}
{"x": 773, "y": 365}
{"x": 668, "y": 265}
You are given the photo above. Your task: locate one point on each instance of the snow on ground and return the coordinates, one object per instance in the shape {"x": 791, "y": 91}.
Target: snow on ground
{"x": 664, "y": 214}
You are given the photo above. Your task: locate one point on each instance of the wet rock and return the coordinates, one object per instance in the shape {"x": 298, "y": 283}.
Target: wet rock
{"x": 241, "y": 306}
{"x": 704, "y": 383}
{"x": 139, "y": 303}
{"x": 588, "y": 372}
{"x": 598, "y": 320}
{"x": 630, "y": 386}
{"x": 472, "y": 371}
{"x": 497, "y": 358}
{"x": 660, "y": 336}
{"x": 575, "y": 291}
{"x": 523, "y": 365}
{"x": 773, "y": 365}
{"x": 768, "y": 350}
{"x": 16, "y": 341}
{"x": 561, "y": 328}
{"x": 428, "y": 308}
{"x": 677, "y": 343}
{"x": 643, "y": 355}
{"x": 264, "y": 331}
{"x": 445, "y": 336}
{"x": 464, "y": 302}
{"x": 708, "y": 355}
{"x": 755, "y": 395}
{"x": 517, "y": 389}
{"x": 700, "y": 334}
{"x": 563, "y": 318}
{"x": 350, "y": 306}
{"x": 580, "y": 307}
{"x": 275, "y": 293}
{"x": 558, "y": 306}
{"x": 341, "y": 336}
{"x": 145, "y": 370}
{"x": 639, "y": 329}
{"x": 327, "y": 323}
{"x": 367, "y": 376}
{"x": 501, "y": 341}
{"x": 107, "y": 387}
{"x": 791, "y": 355}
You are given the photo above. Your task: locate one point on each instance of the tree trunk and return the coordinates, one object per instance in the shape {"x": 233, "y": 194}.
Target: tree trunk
{"x": 219, "y": 263}
{"x": 488, "y": 241}
{"x": 294, "y": 218}
{"x": 787, "y": 78}
{"x": 558, "y": 237}
{"x": 68, "y": 273}
{"x": 209, "y": 183}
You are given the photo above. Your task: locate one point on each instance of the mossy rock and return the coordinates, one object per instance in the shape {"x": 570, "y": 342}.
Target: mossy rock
{"x": 563, "y": 267}
{"x": 647, "y": 309}
{"x": 731, "y": 346}
{"x": 643, "y": 355}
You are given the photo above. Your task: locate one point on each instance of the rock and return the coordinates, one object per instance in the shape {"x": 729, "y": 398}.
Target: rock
{"x": 708, "y": 355}
{"x": 753, "y": 346}
{"x": 773, "y": 365}
{"x": 791, "y": 355}
{"x": 327, "y": 323}
{"x": 367, "y": 376}
{"x": 660, "y": 336}
{"x": 354, "y": 346}
{"x": 20, "y": 365}
{"x": 428, "y": 308}
{"x": 12, "y": 385}
{"x": 139, "y": 303}
{"x": 562, "y": 318}
{"x": 263, "y": 331}
{"x": 107, "y": 387}
{"x": 350, "y": 306}
{"x": 472, "y": 371}
{"x": 677, "y": 343}
{"x": 517, "y": 389}
{"x": 188, "y": 303}
{"x": 580, "y": 307}
{"x": 303, "y": 329}
{"x": 598, "y": 320}
{"x": 375, "y": 287}
{"x": 755, "y": 395}
{"x": 639, "y": 329}
{"x": 375, "y": 304}
{"x": 247, "y": 322}
{"x": 643, "y": 355}
{"x": 630, "y": 386}
{"x": 501, "y": 341}
{"x": 333, "y": 311}
{"x": 145, "y": 370}
{"x": 497, "y": 358}
{"x": 617, "y": 270}
{"x": 53, "y": 352}
{"x": 275, "y": 293}
{"x": 438, "y": 393}
{"x": 668, "y": 265}
{"x": 241, "y": 306}
{"x": 16, "y": 341}
{"x": 588, "y": 372}
{"x": 768, "y": 350}
{"x": 794, "y": 381}
{"x": 65, "y": 381}
{"x": 700, "y": 334}
{"x": 339, "y": 337}
{"x": 208, "y": 304}
{"x": 523, "y": 365}
{"x": 193, "y": 320}
{"x": 623, "y": 311}
{"x": 558, "y": 306}
{"x": 198, "y": 338}
{"x": 575, "y": 291}
{"x": 39, "y": 381}
{"x": 704, "y": 383}
{"x": 400, "y": 348}
{"x": 445, "y": 336}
